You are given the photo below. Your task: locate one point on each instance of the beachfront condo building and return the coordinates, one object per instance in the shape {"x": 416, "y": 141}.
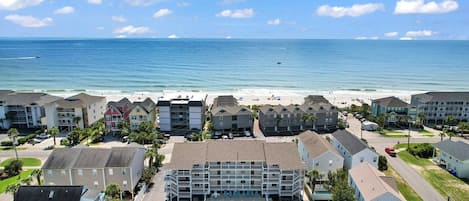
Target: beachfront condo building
{"x": 436, "y": 106}
{"x": 115, "y": 113}
{"x": 353, "y": 149}
{"x": 181, "y": 114}
{"x": 316, "y": 113}
{"x": 369, "y": 184}
{"x": 23, "y": 110}
{"x": 95, "y": 168}
{"x": 228, "y": 115}
{"x": 394, "y": 108}
{"x": 318, "y": 153}
{"x": 234, "y": 169}
{"x": 81, "y": 110}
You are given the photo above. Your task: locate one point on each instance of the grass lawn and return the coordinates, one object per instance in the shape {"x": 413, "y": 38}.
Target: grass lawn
{"x": 26, "y": 162}
{"x": 404, "y": 145}
{"x": 394, "y": 133}
{"x": 11, "y": 148}
{"x": 445, "y": 183}
{"x": 4, "y": 183}
{"x": 407, "y": 191}
{"x": 426, "y": 133}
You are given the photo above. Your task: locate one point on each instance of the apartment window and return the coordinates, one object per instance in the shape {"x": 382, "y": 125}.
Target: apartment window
{"x": 123, "y": 171}
{"x": 124, "y": 183}
{"x": 111, "y": 172}
{"x": 80, "y": 172}
{"x": 317, "y": 164}
{"x": 243, "y": 182}
{"x": 62, "y": 172}
{"x": 49, "y": 172}
{"x": 234, "y": 118}
{"x": 95, "y": 172}
{"x": 228, "y": 181}
{"x": 95, "y": 184}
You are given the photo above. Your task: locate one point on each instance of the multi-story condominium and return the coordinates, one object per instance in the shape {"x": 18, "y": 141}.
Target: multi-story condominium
{"x": 370, "y": 184}
{"x": 393, "y": 106}
{"x": 95, "y": 168}
{"x": 436, "y": 106}
{"x": 23, "y": 110}
{"x": 318, "y": 153}
{"x": 454, "y": 157}
{"x": 316, "y": 113}
{"x": 80, "y": 111}
{"x": 57, "y": 193}
{"x": 227, "y": 115}
{"x": 354, "y": 150}
{"x": 181, "y": 113}
{"x": 239, "y": 167}
{"x": 141, "y": 112}
{"x": 115, "y": 114}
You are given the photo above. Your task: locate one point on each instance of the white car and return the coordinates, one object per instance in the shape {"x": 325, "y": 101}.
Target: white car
{"x": 43, "y": 136}
{"x": 247, "y": 133}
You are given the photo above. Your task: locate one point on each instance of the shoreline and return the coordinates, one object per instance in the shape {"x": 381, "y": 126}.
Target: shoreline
{"x": 339, "y": 98}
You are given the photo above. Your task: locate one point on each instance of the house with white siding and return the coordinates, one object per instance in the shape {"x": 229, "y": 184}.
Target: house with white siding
{"x": 454, "y": 156}
{"x": 353, "y": 149}
{"x": 318, "y": 153}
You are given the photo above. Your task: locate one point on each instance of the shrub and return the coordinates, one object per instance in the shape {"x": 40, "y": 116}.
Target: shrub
{"x": 64, "y": 142}
{"x": 13, "y": 168}
{"x": 6, "y": 143}
{"x": 49, "y": 147}
{"x": 382, "y": 163}
{"x": 424, "y": 150}
{"x": 26, "y": 138}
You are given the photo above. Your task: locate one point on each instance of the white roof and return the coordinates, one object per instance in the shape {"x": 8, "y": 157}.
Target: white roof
{"x": 190, "y": 96}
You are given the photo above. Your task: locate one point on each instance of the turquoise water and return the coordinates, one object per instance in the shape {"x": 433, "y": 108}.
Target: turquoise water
{"x": 229, "y": 65}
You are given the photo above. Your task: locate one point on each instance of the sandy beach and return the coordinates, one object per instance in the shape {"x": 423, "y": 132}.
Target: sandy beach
{"x": 262, "y": 96}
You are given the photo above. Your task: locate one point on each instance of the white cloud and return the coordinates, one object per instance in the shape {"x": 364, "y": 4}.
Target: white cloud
{"x": 391, "y": 34}
{"x": 162, "y": 12}
{"x": 420, "y": 33}
{"x": 406, "y": 38}
{"x": 65, "y": 10}
{"x": 228, "y": 37}
{"x": 229, "y": 2}
{"x": 183, "y": 4}
{"x": 367, "y": 38}
{"x": 131, "y": 30}
{"x": 419, "y": 6}
{"x": 121, "y": 36}
{"x": 17, "y": 4}
{"x": 143, "y": 2}
{"x": 274, "y": 22}
{"x": 240, "y": 13}
{"x": 173, "y": 36}
{"x": 95, "y": 1}
{"x": 119, "y": 19}
{"x": 353, "y": 11}
{"x": 29, "y": 21}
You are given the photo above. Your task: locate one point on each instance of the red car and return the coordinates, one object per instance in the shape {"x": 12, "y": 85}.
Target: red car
{"x": 390, "y": 151}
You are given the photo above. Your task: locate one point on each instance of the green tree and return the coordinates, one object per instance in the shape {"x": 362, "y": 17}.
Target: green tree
{"x": 421, "y": 119}
{"x": 76, "y": 120}
{"x": 13, "y": 134}
{"x": 28, "y": 180}
{"x": 124, "y": 128}
{"x": 54, "y": 131}
{"x": 74, "y": 136}
{"x": 37, "y": 173}
{"x": 146, "y": 127}
{"x": 463, "y": 127}
{"x": 450, "y": 120}
{"x": 12, "y": 188}
{"x": 342, "y": 192}
{"x": 13, "y": 168}
{"x": 113, "y": 191}
{"x": 148, "y": 174}
{"x": 313, "y": 177}
{"x": 382, "y": 163}
{"x": 151, "y": 153}
{"x": 451, "y": 134}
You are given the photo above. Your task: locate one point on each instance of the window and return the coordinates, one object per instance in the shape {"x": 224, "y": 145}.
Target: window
{"x": 123, "y": 171}
{"x": 124, "y": 183}
{"x": 111, "y": 172}
{"x": 95, "y": 172}
{"x": 80, "y": 172}
{"x": 62, "y": 172}
{"x": 317, "y": 164}
{"x": 375, "y": 159}
{"x": 95, "y": 183}
{"x": 49, "y": 172}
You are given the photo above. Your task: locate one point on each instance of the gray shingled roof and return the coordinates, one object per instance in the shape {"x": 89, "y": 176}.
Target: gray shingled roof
{"x": 225, "y": 101}
{"x": 121, "y": 157}
{"x": 391, "y": 101}
{"x": 62, "y": 158}
{"x": 442, "y": 96}
{"x": 42, "y": 193}
{"x": 313, "y": 99}
{"x": 92, "y": 158}
{"x": 349, "y": 141}
{"x": 459, "y": 150}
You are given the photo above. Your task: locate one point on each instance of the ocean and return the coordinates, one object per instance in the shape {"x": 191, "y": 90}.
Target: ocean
{"x": 214, "y": 65}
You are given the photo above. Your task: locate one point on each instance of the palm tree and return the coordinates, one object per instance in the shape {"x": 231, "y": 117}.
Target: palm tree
{"x": 277, "y": 122}
{"x": 76, "y": 120}
{"x": 37, "y": 173}
{"x": 421, "y": 118}
{"x": 151, "y": 154}
{"x": 12, "y": 188}
{"x": 54, "y": 131}
{"x": 312, "y": 119}
{"x": 13, "y": 133}
{"x": 28, "y": 180}
{"x": 450, "y": 120}
{"x": 450, "y": 134}
{"x": 443, "y": 133}
{"x": 313, "y": 177}
{"x": 305, "y": 118}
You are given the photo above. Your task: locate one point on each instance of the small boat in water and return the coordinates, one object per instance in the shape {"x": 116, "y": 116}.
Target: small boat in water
{"x": 37, "y": 57}
{"x": 278, "y": 62}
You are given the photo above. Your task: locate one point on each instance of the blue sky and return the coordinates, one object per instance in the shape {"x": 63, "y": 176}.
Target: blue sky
{"x": 338, "y": 19}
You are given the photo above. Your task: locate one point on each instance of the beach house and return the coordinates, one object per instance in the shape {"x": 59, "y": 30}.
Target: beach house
{"x": 454, "y": 156}
{"x": 95, "y": 168}
{"x": 141, "y": 112}
{"x": 181, "y": 114}
{"x": 227, "y": 115}
{"x": 238, "y": 168}
{"x": 81, "y": 110}
{"x": 318, "y": 153}
{"x": 436, "y": 106}
{"x": 395, "y": 108}
{"x": 115, "y": 113}
{"x": 353, "y": 149}
{"x": 23, "y": 110}
{"x": 316, "y": 113}
{"x": 370, "y": 184}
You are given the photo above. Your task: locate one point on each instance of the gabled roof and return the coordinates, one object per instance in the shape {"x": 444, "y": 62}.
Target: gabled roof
{"x": 284, "y": 154}
{"x": 459, "y": 150}
{"x": 228, "y": 100}
{"x": 14, "y": 98}
{"x": 121, "y": 105}
{"x": 373, "y": 183}
{"x": 79, "y": 100}
{"x": 147, "y": 105}
{"x": 92, "y": 158}
{"x": 49, "y": 193}
{"x": 121, "y": 157}
{"x": 316, "y": 144}
{"x": 230, "y": 110}
{"x": 349, "y": 141}
{"x": 442, "y": 96}
{"x": 391, "y": 101}
{"x": 313, "y": 99}
{"x": 62, "y": 158}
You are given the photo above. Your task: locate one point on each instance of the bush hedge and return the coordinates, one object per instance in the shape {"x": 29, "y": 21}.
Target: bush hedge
{"x": 424, "y": 150}
{"x": 26, "y": 138}
{"x": 6, "y": 143}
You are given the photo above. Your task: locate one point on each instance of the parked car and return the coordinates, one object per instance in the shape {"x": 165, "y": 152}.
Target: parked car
{"x": 230, "y": 135}
{"x": 43, "y": 136}
{"x": 247, "y": 133}
{"x": 125, "y": 139}
{"x": 34, "y": 141}
{"x": 224, "y": 137}
{"x": 390, "y": 151}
